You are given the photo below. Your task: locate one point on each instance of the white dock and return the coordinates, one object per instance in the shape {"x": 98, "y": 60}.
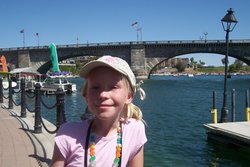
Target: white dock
{"x": 236, "y": 133}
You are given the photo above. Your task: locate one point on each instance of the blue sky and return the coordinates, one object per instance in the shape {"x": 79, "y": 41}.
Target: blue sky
{"x": 96, "y": 21}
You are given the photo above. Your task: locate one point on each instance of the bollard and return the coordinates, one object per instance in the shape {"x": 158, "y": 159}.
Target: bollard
{"x": 10, "y": 93}
{"x": 247, "y": 106}
{"x": 23, "y": 107}
{"x": 233, "y": 105}
{"x": 1, "y": 90}
{"x": 214, "y": 109}
{"x": 248, "y": 113}
{"x": 60, "y": 107}
{"x": 38, "y": 123}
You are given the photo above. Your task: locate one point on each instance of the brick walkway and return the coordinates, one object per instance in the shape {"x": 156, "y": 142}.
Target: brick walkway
{"x": 19, "y": 146}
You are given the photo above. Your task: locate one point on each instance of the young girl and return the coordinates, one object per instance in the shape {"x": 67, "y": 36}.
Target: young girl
{"x": 115, "y": 136}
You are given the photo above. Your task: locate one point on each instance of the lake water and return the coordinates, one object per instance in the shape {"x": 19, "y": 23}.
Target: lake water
{"x": 175, "y": 110}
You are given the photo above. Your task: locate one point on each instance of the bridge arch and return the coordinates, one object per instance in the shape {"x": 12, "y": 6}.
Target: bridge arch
{"x": 44, "y": 68}
{"x": 152, "y": 64}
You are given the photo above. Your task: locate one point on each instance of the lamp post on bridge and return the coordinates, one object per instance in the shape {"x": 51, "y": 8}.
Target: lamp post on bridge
{"x": 37, "y": 35}
{"x": 229, "y": 21}
{"x": 205, "y": 33}
{"x": 23, "y": 32}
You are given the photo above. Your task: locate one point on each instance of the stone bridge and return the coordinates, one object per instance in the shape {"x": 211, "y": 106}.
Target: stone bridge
{"x": 142, "y": 56}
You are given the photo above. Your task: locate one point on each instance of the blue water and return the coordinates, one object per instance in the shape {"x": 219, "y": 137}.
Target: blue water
{"x": 175, "y": 110}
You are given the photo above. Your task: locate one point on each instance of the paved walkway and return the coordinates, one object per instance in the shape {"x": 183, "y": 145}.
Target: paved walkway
{"x": 19, "y": 146}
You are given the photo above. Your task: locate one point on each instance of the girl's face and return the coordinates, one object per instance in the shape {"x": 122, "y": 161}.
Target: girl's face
{"x": 107, "y": 93}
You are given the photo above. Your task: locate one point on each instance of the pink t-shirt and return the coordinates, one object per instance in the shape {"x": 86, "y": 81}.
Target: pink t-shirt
{"x": 71, "y": 137}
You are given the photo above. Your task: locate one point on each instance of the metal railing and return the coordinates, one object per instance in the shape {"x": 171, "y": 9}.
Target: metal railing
{"x": 128, "y": 43}
{"x": 38, "y": 101}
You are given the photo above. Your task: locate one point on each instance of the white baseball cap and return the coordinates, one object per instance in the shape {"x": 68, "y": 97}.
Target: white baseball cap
{"x": 116, "y": 63}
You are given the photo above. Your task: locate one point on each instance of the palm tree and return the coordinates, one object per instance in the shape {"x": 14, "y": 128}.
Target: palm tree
{"x": 192, "y": 62}
{"x": 223, "y": 60}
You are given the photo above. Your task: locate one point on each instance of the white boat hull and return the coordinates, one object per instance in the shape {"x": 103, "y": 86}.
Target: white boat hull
{"x": 6, "y": 84}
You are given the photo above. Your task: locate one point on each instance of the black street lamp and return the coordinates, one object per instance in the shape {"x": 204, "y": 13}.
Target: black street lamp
{"x": 229, "y": 21}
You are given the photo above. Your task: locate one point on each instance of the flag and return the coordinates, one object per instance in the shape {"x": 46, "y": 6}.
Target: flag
{"x": 133, "y": 24}
{"x": 22, "y": 31}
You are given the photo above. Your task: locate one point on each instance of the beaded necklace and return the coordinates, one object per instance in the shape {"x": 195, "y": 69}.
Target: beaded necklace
{"x": 92, "y": 159}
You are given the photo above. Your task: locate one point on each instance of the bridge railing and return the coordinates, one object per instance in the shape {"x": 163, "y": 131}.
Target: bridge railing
{"x": 127, "y": 43}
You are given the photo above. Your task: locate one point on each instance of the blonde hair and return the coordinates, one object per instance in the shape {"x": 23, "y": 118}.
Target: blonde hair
{"x": 130, "y": 110}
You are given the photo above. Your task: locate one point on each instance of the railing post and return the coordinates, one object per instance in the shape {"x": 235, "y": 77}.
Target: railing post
{"x": 1, "y": 90}
{"x": 214, "y": 109}
{"x": 233, "y": 105}
{"x": 23, "y": 106}
{"x": 247, "y": 106}
{"x": 38, "y": 124}
{"x": 60, "y": 107}
{"x": 10, "y": 93}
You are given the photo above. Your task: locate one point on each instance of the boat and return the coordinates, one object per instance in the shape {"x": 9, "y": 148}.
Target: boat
{"x": 5, "y": 81}
{"x": 51, "y": 84}
{"x": 190, "y": 75}
{"x": 30, "y": 75}
{"x": 55, "y": 79}
{"x": 6, "y": 84}
{"x": 63, "y": 74}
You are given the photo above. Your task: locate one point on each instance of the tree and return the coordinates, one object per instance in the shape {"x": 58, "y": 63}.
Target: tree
{"x": 232, "y": 68}
{"x": 195, "y": 65}
{"x": 202, "y": 62}
{"x": 238, "y": 64}
{"x": 223, "y": 61}
{"x": 180, "y": 66}
{"x": 192, "y": 62}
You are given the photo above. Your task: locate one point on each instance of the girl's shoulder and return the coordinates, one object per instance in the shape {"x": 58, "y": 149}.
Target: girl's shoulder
{"x": 73, "y": 128}
{"x": 134, "y": 124}
{"x": 134, "y": 129}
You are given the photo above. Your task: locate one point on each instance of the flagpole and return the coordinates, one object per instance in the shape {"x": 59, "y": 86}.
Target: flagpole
{"x": 140, "y": 29}
{"x": 135, "y": 24}
{"x": 137, "y": 34}
{"x": 23, "y": 39}
{"x": 141, "y": 34}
